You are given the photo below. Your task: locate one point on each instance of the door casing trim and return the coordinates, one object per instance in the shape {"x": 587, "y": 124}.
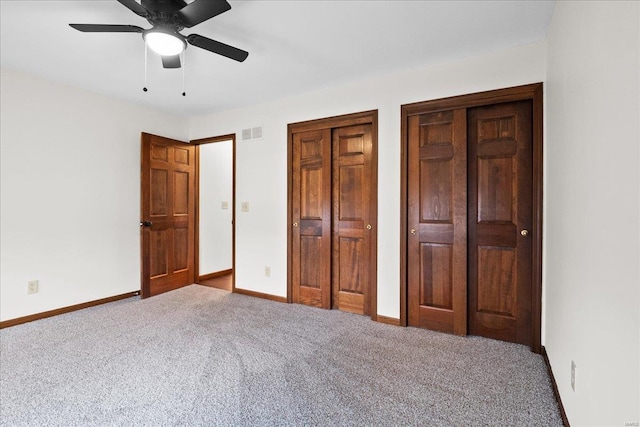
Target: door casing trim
{"x": 531, "y": 92}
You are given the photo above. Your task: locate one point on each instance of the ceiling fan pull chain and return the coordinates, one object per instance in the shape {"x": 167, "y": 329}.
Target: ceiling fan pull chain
{"x": 184, "y": 66}
{"x": 145, "y": 66}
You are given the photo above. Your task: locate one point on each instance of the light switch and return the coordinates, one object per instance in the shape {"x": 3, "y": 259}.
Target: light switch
{"x": 225, "y": 205}
{"x": 244, "y": 206}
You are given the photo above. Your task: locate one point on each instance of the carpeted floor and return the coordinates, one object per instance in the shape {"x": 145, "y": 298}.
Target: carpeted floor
{"x": 199, "y": 356}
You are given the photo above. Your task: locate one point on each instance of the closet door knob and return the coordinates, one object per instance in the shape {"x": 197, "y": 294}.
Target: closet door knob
{"x": 368, "y": 226}
{"x": 295, "y": 224}
{"x": 524, "y": 232}
{"x": 413, "y": 231}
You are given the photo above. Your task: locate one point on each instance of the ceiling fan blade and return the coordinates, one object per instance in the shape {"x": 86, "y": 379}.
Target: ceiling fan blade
{"x": 135, "y": 7}
{"x": 217, "y": 47}
{"x": 201, "y": 10}
{"x": 171, "y": 61}
{"x": 102, "y": 28}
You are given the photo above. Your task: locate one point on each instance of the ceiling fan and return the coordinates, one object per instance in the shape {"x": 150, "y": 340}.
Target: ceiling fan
{"x": 167, "y": 19}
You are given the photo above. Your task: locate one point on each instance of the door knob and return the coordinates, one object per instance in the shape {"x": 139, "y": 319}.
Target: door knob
{"x": 368, "y": 226}
{"x": 295, "y": 224}
{"x": 413, "y": 231}
{"x": 146, "y": 223}
{"x": 524, "y": 232}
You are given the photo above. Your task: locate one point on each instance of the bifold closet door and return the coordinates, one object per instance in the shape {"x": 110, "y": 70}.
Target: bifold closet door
{"x": 437, "y": 221}
{"x": 311, "y": 215}
{"x": 352, "y": 211}
{"x": 500, "y": 220}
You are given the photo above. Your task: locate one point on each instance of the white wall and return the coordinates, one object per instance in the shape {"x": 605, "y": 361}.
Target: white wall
{"x": 261, "y": 166}
{"x": 592, "y": 204}
{"x": 216, "y": 185}
{"x": 70, "y": 193}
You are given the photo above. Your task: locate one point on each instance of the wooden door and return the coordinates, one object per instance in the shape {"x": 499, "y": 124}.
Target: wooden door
{"x": 168, "y": 215}
{"x": 352, "y": 212}
{"x": 437, "y": 240}
{"x": 333, "y": 213}
{"x": 311, "y": 216}
{"x": 500, "y": 221}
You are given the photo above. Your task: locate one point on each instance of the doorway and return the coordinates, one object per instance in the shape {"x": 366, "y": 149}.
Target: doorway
{"x": 215, "y": 212}
{"x": 471, "y": 224}
{"x": 333, "y": 213}
{"x": 173, "y": 213}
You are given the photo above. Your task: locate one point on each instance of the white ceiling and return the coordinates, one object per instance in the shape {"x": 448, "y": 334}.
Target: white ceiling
{"x": 294, "y": 45}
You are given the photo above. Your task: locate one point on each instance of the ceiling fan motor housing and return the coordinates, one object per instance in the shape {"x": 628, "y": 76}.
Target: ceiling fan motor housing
{"x": 163, "y": 14}
{"x": 168, "y": 6}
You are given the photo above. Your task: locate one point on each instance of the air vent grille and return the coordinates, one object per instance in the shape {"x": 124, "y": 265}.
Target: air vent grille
{"x": 252, "y": 133}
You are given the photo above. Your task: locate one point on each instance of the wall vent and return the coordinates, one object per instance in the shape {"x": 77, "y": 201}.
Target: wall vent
{"x": 252, "y": 133}
{"x": 256, "y": 132}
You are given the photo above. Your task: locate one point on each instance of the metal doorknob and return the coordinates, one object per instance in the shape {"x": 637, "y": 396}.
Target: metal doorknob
{"x": 146, "y": 223}
{"x": 524, "y": 232}
{"x": 295, "y": 224}
{"x": 413, "y": 231}
{"x": 368, "y": 226}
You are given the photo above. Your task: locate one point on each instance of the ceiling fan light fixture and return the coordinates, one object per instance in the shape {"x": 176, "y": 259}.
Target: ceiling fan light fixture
{"x": 164, "y": 44}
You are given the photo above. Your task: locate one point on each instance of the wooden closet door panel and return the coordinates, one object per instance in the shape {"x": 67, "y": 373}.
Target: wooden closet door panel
{"x": 352, "y": 187}
{"x": 500, "y": 208}
{"x": 437, "y": 247}
{"x": 311, "y": 201}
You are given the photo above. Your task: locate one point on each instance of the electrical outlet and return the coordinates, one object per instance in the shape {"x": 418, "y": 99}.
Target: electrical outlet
{"x": 244, "y": 206}
{"x": 267, "y": 271}
{"x": 573, "y": 376}
{"x": 32, "y": 287}
{"x": 225, "y": 205}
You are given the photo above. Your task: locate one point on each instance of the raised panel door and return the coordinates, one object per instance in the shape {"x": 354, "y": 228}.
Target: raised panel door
{"x": 352, "y": 229}
{"x": 437, "y": 252}
{"x": 168, "y": 210}
{"x": 311, "y": 216}
{"x": 500, "y": 219}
